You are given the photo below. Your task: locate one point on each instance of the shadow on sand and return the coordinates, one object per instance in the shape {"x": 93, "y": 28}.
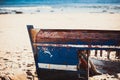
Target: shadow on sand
{"x": 47, "y": 74}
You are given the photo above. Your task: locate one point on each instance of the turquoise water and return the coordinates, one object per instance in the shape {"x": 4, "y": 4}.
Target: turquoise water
{"x": 59, "y": 6}
{"x": 53, "y": 2}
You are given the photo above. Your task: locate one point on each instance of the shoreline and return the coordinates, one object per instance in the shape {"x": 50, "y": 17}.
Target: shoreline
{"x": 62, "y": 8}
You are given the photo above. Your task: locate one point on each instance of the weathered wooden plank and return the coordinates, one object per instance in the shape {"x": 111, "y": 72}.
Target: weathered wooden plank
{"x": 100, "y": 37}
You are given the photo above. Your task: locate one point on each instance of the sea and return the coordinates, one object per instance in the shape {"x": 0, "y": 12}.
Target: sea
{"x": 59, "y": 6}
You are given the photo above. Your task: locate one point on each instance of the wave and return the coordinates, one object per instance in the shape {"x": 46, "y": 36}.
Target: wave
{"x": 89, "y": 8}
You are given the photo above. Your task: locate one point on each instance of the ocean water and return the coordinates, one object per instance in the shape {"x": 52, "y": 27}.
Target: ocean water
{"x": 37, "y": 6}
{"x": 53, "y": 2}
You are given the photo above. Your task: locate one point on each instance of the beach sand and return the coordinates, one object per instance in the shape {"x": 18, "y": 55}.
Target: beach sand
{"x": 15, "y": 48}
{"x": 14, "y": 35}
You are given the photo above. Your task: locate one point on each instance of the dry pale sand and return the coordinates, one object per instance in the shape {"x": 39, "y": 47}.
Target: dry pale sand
{"x": 14, "y": 37}
{"x": 13, "y": 31}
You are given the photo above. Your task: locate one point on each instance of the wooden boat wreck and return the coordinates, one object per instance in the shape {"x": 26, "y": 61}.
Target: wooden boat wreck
{"x": 65, "y": 50}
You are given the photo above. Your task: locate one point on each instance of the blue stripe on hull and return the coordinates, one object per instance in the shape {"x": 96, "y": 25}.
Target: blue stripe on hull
{"x": 57, "y": 55}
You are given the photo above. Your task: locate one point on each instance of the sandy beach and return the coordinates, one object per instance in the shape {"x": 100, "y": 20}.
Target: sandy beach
{"x": 13, "y": 30}
{"x": 15, "y": 44}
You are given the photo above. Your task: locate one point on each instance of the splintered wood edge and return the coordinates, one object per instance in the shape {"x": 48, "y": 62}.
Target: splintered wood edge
{"x": 34, "y": 33}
